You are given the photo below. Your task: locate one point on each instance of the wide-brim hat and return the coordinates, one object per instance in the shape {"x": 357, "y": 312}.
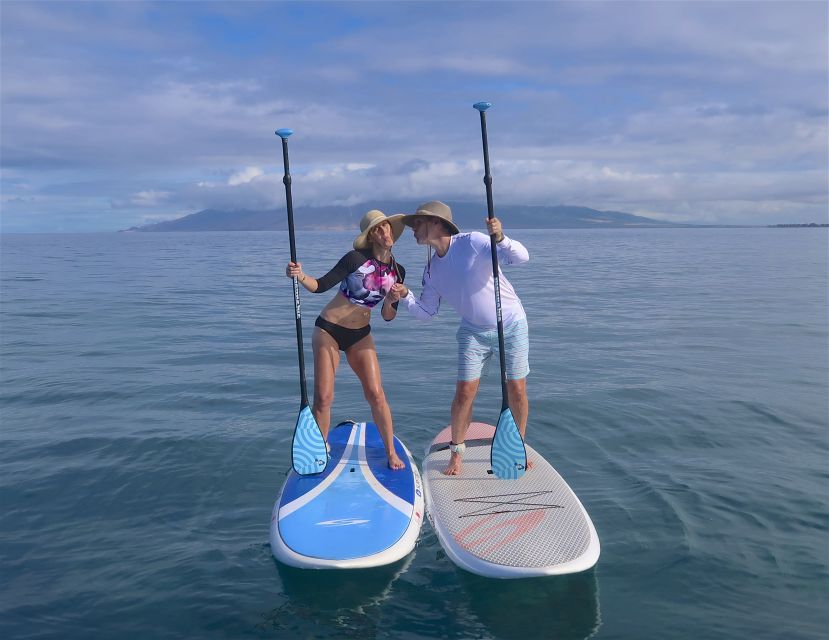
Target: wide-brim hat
{"x": 371, "y": 220}
{"x": 433, "y": 209}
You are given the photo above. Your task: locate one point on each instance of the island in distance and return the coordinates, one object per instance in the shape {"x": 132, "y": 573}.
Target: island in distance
{"x": 467, "y": 215}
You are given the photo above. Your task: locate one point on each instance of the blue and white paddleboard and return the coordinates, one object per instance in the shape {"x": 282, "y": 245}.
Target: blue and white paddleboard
{"x": 358, "y": 513}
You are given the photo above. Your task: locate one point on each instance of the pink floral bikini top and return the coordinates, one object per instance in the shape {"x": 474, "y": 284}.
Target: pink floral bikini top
{"x": 363, "y": 279}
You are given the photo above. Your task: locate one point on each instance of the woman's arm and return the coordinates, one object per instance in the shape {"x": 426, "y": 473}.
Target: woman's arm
{"x": 294, "y": 270}
{"x": 346, "y": 265}
{"x": 389, "y": 309}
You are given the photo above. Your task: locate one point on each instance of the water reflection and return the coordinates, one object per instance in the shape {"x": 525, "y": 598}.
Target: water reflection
{"x": 560, "y": 607}
{"x": 341, "y": 603}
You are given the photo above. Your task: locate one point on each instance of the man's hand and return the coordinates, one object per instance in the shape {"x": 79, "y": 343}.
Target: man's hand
{"x": 494, "y": 227}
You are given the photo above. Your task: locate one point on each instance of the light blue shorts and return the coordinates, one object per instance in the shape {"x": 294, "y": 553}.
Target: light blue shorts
{"x": 477, "y": 347}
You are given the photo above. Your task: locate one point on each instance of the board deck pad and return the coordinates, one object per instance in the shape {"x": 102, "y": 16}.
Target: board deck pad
{"x": 530, "y": 526}
{"x": 357, "y": 513}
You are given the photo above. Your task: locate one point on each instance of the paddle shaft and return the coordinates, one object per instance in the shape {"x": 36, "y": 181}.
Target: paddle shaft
{"x": 286, "y": 180}
{"x": 494, "y": 250}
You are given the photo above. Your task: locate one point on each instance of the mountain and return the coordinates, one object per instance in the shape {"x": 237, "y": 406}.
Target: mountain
{"x": 467, "y": 215}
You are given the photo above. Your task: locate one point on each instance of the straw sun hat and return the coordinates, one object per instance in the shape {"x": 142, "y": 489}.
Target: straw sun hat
{"x": 371, "y": 220}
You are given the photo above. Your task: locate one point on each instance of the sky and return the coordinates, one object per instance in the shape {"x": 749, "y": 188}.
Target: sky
{"x": 115, "y": 114}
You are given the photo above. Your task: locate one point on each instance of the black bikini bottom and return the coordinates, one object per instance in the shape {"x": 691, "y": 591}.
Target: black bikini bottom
{"x": 343, "y": 336}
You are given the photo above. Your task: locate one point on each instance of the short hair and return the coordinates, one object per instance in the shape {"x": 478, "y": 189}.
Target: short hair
{"x": 446, "y": 226}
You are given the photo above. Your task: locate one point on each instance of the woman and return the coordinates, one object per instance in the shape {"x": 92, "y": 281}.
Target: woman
{"x": 365, "y": 276}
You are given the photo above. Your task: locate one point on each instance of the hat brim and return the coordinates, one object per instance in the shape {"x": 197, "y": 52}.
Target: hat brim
{"x": 396, "y": 222}
{"x": 410, "y": 218}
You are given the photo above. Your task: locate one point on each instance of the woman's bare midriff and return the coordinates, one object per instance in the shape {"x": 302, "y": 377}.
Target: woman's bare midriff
{"x": 346, "y": 314}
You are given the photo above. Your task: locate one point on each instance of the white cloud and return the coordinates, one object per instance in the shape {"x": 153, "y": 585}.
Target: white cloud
{"x": 680, "y": 108}
{"x": 244, "y": 176}
{"x": 150, "y": 198}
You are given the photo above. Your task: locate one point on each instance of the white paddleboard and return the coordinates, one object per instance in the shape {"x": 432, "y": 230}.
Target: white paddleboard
{"x": 358, "y": 513}
{"x": 531, "y": 526}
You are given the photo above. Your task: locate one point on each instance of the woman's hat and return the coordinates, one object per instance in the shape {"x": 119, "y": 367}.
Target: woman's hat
{"x": 371, "y": 220}
{"x": 433, "y": 209}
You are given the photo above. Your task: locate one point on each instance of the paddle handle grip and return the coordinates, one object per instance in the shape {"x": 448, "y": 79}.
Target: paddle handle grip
{"x": 286, "y": 180}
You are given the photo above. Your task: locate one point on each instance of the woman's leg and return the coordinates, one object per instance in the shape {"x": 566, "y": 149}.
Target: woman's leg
{"x": 362, "y": 357}
{"x": 326, "y": 361}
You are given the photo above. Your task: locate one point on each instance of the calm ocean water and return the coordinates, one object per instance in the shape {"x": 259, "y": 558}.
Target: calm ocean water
{"x": 149, "y": 389}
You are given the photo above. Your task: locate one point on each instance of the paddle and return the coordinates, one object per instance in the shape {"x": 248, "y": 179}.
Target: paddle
{"x": 508, "y": 456}
{"x": 308, "y": 452}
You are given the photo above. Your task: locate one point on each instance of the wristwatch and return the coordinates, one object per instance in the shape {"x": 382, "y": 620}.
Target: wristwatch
{"x": 457, "y": 448}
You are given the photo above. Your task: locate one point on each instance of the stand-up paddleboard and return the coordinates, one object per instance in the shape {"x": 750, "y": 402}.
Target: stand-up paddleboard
{"x": 521, "y": 528}
{"x": 357, "y": 513}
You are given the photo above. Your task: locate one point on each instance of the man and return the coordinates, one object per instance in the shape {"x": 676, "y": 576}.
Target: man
{"x": 461, "y": 274}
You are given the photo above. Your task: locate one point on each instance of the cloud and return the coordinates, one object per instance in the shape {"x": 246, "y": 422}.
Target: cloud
{"x": 149, "y": 198}
{"x": 244, "y": 176}
{"x": 131, "y": 110}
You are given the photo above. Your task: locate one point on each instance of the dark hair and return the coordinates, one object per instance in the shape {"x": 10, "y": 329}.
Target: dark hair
{"x": 443, "y": 223}
{"x": 446, "y": 227}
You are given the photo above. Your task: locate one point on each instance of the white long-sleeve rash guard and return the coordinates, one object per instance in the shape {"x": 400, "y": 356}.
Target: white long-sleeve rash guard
{"x": 463, "y": 277}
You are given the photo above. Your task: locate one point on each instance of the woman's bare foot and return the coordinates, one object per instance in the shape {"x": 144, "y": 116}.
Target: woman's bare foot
{"x": 454, "y": 466}
{"x": 396, "y": 463}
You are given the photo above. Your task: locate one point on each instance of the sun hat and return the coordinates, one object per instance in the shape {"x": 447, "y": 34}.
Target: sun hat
{"x": 371, "y": 220}
{"x": 433, "y": 209}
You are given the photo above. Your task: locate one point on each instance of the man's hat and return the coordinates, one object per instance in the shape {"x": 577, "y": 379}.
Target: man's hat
{"x": 433, "y": 209}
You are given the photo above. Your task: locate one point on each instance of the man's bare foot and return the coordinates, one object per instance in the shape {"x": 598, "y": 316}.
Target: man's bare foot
{"x": 396, "y": 463}
{"x": 454, "y": 466}
{"x": 529, "y": 464}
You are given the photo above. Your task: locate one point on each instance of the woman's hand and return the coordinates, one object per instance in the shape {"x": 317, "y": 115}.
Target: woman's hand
{"x": 294, "y": 270}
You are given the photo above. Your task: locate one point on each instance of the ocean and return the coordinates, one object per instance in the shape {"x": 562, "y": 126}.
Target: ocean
{"x": 150, "y": 387}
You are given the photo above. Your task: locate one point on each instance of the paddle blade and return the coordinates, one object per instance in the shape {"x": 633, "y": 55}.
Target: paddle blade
{"x": 308, "y": 452}
{"x": 508, "y": 456}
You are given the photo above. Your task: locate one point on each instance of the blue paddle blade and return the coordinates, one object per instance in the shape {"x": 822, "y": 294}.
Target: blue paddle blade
{"x": 508, "y": 456}
{"x": 308, "y": 451}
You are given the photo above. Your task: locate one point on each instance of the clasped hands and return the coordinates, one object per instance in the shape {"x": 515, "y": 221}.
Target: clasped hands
{"x": 398, "y": 290}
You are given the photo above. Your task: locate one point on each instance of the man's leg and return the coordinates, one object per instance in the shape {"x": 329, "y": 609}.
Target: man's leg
{"x": 518, "y": 404}
{"x": 465, "y": 393}
{"x": 516, "y": 339}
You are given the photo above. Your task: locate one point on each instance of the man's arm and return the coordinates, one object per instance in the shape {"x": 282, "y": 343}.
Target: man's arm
{"x": 424, "y": 308}
{"x": 509, "y": 251}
